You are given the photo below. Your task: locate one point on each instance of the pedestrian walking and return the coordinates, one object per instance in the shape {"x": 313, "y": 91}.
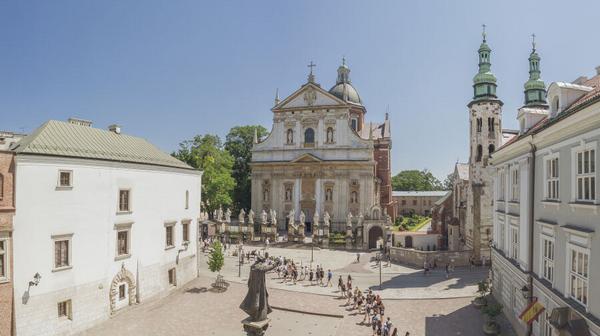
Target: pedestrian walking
{"x": 267, "y": 244}
{"x": 329, "y": 277}
{"x": 357, "y": 257}
{"x": 447, "y": 270}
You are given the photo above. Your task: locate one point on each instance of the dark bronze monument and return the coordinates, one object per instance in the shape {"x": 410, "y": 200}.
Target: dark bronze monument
{"x": 256, "y": 302}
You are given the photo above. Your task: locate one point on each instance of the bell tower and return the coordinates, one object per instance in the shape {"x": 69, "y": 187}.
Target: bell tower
{"x": 485, "y": 116}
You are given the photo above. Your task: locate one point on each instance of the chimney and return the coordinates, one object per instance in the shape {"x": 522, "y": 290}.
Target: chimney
{"x": 115, "y": 128}
{"x": 80, "y": 122}
{"x": 598, "y": 70}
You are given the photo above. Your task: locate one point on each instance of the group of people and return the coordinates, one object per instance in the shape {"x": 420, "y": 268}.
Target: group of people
{"x": 289, "y": 271}
{"x": 428, "y": 266}
{"x": 369, "y": 305}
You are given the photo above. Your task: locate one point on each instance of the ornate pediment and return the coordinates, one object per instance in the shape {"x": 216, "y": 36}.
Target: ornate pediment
{"x": 309, "y": 96}
{"x": 306, "y": 158}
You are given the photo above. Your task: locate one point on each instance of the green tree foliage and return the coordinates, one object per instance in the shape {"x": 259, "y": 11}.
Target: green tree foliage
{"x": 207, "y": 153}
{"x": 448, "y": 183}
{"x": 216, "y": 260}
{"x": 416, "y": 180}
{"x": 239, "y": 143}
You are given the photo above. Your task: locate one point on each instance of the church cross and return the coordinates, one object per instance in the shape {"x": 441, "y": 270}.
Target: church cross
{"x": 311, "y": 66}
{"x": 533, "y": 41}
{"x": 483, "y": 33}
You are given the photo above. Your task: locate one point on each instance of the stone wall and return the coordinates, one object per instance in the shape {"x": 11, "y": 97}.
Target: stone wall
{"x": 416, "y": 258}
{"x": 7, "y": 211}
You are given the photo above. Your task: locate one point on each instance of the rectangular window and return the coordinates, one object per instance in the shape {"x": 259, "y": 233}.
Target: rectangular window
{"x": 548, "y": 259}
{"x": 586, "y": 175}
{"x": 579, "y": 275}
{"x": 514, "y": 243}
{"x": 514, "y": 182}
{"x": 169, "y": 236}
{"x": 547, "y": 329}
{"x": 502, "y": 186}
{"x": 122, "y": 292}
{"x": 124, "y": 200}
{"x": 65, "y": 178}
{"x": 403, "y": 202}
{"x": 414, "y": 202}
{"x": 122, "y": 242}
{"x": 187, "y": 199}
{"x": 3, "y": 260}
{"x": 64, "y": 310}
{"x": 185, "y": 235}
{"x": 61, "y": 253}
{"x": 172, "y": 277}
{"x": 552, "y": 179}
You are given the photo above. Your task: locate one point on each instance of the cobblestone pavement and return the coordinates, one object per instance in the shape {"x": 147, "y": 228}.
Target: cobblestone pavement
{"x": 301, "y": 309}
{"x": 195, "y": 310}
{"x": 398, "y": 281}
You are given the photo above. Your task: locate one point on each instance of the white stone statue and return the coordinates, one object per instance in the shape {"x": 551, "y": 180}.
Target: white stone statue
{"x": 302, "y": 217}
{"x": 250, "y": 217}
{"x": 263, "y": 217}
{"x": 361, "y": 218}
{"x": 349, "y": 220}
{"x": 215, "y": 214}
{"x": 274, "y": 217}
{"x": 241, "y": 216}
{"x": 326, "y": 219}
{"x": 220, "y": 214}
{"x": 291, "y": 216}
{"x": 316, "y": 221}
{"x": 228, "y": 216}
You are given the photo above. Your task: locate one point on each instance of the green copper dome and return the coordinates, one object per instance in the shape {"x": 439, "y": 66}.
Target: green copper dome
{"x": 484, "y": 82}
{"x": 535, "y": 88}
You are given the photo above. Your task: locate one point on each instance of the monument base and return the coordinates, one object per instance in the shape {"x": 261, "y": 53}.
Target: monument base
{"x": 255, "y": 328}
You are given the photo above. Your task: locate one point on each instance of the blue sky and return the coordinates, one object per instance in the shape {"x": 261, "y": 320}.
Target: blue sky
{"x": 167, "y": 70}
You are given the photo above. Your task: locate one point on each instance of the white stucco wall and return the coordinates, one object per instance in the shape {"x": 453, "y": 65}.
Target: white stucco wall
{"x": 88, "y": 211}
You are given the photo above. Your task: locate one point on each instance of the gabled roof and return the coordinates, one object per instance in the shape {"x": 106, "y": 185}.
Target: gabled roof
{"x": 331, "y": 100}
{"x": 443, "y": 199}
{"x": 58, "y": 138}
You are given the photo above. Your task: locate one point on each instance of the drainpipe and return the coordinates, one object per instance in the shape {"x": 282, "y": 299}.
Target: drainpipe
{"x": 531, "y": 224}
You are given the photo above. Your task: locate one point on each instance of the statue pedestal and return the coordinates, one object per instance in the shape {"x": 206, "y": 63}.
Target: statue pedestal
{"x": 255, "y": 328}
{"x": 348, "y": 243}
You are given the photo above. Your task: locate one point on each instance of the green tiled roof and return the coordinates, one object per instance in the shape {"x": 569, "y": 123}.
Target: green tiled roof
{"x": 58, "y": 138}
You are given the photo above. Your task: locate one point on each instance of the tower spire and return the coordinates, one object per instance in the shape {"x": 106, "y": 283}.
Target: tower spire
{"x": 277, "y": 96}
{"x": 484, "y": 82}
{"x": 535, "y": 88}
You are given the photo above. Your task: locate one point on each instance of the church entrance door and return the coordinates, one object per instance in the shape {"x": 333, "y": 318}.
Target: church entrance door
{"x": 308, "y": 222}
{"x": 375, "y": 233}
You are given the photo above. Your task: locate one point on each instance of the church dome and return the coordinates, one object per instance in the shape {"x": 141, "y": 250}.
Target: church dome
{"x": 343, "y": 89}
{"x": 346, "y": 92}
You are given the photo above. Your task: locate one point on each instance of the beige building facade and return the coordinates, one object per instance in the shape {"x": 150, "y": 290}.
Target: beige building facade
{"x": 415, "y": 202}
{"x": 322, "y": 159}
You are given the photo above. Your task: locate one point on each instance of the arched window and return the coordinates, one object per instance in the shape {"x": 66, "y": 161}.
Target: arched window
{"x": 479, "y": 153}
{"x": 309, "y": 136}
{"x": 289, "y": 136}
{"x": 491, "y": 149}
{"x": 491, "y": 125}
{"x": 329, "y": 136}
{"x": 354, "y": 124}
{"x": 479, "y": 124}
{"x": 1, "y": 186}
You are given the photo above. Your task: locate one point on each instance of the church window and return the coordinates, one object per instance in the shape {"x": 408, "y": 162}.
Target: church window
{"x": 309, "y": 136}
{"x": 354, "y": 124}
{"x": 289, "y": 136}
{"x": 1, "y": 186}
{"x": 329, "y": 136}
{"x": 491, "y": 149}
{"x": 479, "y": 125}
{"x": 479, "y": 153}
{"x": 491, "y": 125}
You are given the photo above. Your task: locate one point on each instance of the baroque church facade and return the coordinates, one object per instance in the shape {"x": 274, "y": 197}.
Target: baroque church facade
{"x": 322, "y": 158}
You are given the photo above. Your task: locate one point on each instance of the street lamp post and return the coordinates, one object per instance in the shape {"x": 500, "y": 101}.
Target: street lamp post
{"x": 379, "y": 259}
{"x": 312, "y": 245}
{"x": 240, "y": 261}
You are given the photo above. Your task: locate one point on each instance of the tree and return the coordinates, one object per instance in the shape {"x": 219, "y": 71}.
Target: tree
{"x": 415, "y": 180}
{"x": 216, "y": 260}
{"x": 448, "y": 183}
{"x": 239, "y": 143}
{"x": 207, "y": 153}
